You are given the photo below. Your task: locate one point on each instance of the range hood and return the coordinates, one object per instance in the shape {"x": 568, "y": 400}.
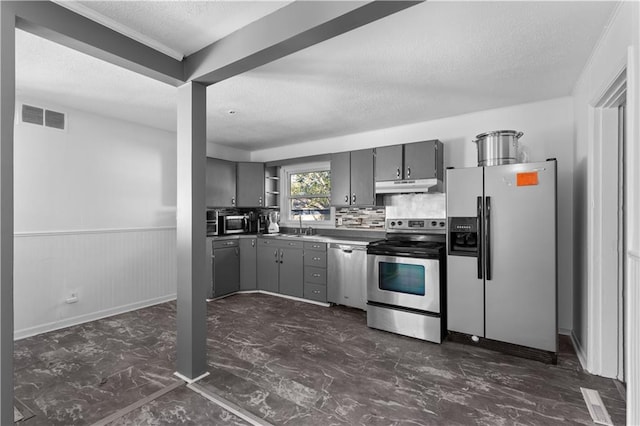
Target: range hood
{"x": 408, "y": 186}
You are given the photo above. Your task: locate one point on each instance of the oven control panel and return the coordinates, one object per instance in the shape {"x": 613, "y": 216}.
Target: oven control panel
{"x": 416, "y": 225}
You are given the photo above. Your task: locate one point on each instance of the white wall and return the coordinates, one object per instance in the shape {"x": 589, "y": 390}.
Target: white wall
{"x": 101, "y": 173}
{"x": 95, "y": 216}
{"x": 548, "y": 132}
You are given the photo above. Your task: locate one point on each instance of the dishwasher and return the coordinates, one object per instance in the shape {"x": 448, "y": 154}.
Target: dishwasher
{"x": 347, "y": 278}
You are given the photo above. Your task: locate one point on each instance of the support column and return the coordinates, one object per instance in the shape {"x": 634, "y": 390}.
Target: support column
{"x": 7, "y": 109}
{"x": 191, "y": 231}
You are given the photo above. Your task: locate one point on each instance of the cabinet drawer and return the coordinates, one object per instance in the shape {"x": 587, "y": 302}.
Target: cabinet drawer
{"x": 269, "y": 242}
{"x": 315, "y": 275}
{"x": 309, "y": 245}
{"x": 315, "y": 292}
{"x": 287, "y": 243}
{"x": 225, "y": 243}
{"x": 315, "y": 258}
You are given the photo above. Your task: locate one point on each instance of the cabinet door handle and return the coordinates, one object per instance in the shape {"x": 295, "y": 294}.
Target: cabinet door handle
{"x": 292, "y": 244}
{"x": 260, "y": 201}
{"x": 228, "y": 243}
{"x": 316, "y": 291}
{"x": 316, "y": 275}
{"x": 317, "y": 259}
{"x": 316, "y": 246}
{"x": 408, "y": 172}
{"x": 233, "y": 201}
{"x": 346, "y": 198}
{"x": 398, "y": 172}
{"x": 275, "y": 253}
{"x": 353, "y": 198}
{"x": 253, "y": 243}
{"x": 281, "y": 255}
{"x": 237, "y": 252}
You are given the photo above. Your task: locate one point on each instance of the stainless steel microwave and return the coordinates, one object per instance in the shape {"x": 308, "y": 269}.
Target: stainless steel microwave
{"x": 233, "y": 224}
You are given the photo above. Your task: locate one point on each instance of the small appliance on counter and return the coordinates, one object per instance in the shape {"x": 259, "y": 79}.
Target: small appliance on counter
{"x": 274, "y": 220}
{"x": 213, "y": 227}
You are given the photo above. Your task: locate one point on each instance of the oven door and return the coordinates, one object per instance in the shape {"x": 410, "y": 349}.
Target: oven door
{"x": 406, "y": 282}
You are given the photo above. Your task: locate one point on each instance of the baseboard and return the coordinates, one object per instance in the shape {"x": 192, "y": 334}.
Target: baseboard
{"x": 582, "y": 356}
{"x": 565, "y": 331}
{"x": 81, "y": 319}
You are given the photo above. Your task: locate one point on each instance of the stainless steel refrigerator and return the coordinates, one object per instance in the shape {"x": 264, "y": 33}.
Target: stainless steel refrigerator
{"x": 501, "y": 253}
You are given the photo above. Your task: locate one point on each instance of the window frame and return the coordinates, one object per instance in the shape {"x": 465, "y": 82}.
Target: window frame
{"x": 285, "y": 190}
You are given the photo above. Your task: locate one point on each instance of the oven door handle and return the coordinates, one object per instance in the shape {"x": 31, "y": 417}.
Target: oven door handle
{"x": 479, "y": 235}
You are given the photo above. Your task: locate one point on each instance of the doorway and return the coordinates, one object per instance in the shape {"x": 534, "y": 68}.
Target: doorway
{"x": 608, "y": 229}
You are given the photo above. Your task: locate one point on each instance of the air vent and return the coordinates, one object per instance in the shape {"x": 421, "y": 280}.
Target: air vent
{"x": 54, "y": 119}
{"x": 43, "y": 117}
{"x": 33, "y": 115}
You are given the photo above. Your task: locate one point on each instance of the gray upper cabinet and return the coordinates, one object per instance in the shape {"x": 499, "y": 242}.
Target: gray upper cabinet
{"x": 341, "y": 179}
{"x": 248, "y": 263}
{"x": 352, "y": 178}
{"x": 221, "y": 183}
{"x": 418, "y": 160}
{"x": 362, "y": 180}
{"x": 250, "y": 185}
{"x": 389, "y": 164}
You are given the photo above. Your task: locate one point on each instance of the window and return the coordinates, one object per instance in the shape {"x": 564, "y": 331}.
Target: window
{"x": 307, "y": 194}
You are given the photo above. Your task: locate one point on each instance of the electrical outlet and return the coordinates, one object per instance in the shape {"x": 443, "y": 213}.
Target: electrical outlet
{"x": 339, "y": 220}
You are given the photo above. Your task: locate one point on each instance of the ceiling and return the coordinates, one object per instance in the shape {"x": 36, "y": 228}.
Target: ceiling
{"x": 433, "y": 60}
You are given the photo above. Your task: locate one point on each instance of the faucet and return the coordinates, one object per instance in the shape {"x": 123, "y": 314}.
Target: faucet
{"x": 309, "y": 231}
{"x": 300, "y": 228}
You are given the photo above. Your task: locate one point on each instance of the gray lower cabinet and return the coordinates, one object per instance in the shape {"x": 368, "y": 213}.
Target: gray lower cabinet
{"x": 268, "y": 264}
{"x": 248, "y": 263}
{"x": 209, "y": 274}
{"x": 226, "y": 267}
{"x": 291, "y": 270}
{"x": 280, "y": 266}
{"x": 315, "y": 271}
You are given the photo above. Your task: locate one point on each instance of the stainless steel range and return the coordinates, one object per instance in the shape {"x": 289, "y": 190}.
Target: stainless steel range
{"x": 406, "y": 279}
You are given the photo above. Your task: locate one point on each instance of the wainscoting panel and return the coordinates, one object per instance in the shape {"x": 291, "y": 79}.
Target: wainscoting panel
{"x": 106, "y": 271}
{"x": 633, "y": 339}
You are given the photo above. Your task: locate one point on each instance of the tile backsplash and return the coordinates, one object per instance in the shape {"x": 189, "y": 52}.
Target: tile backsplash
{"x": 395, "y": 206}
{"x": 360, "y": 217}
{"x": 416, "y": 205}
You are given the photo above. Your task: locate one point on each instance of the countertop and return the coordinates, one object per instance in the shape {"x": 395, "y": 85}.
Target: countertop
{"x": 363, "y": 241}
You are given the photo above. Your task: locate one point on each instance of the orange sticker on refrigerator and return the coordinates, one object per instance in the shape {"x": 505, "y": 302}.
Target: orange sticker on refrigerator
{"x": 527, "y": 178}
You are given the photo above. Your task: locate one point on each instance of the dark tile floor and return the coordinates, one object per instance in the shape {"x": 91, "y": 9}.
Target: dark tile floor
{"x": 293, "y": 363}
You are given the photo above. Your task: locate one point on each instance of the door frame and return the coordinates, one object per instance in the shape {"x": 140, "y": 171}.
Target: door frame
{"x": 603, "y": 310}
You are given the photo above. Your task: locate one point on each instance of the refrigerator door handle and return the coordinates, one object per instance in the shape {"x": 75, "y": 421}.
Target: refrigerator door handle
{"x": 487, "y": 238}
{"x": 479, "y": 231}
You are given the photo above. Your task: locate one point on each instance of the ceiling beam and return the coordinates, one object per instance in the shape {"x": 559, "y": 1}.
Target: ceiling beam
{"x": 58, "y": 24}
{"x": 290, "y": 29}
